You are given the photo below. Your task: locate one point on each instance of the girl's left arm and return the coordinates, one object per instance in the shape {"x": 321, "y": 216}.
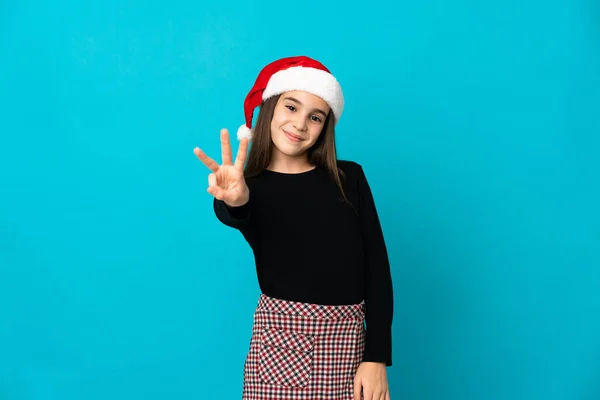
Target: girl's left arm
{"x": 371, "y": 377}
{"x": 379, "y": 292}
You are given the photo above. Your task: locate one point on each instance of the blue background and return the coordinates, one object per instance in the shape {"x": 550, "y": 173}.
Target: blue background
{"x": 476, "y": 122}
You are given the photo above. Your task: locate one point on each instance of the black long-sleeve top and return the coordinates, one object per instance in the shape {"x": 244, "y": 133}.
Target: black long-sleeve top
{"x": 310, "y": 246}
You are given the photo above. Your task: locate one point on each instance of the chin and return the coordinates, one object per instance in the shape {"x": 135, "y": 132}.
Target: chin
{"x": 290, "y": 152}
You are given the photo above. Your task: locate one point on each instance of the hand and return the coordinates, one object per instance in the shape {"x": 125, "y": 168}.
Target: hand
{"x": 371, "y": 377}
{"x": 226, "y": 182}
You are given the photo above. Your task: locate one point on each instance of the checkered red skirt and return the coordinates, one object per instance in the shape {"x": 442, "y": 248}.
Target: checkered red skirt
{"x": 303, "y": 351}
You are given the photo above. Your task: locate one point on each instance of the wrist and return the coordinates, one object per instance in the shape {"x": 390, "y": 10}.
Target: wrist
{"x": 240, "y": 202}
{"x": 375, "y": 363}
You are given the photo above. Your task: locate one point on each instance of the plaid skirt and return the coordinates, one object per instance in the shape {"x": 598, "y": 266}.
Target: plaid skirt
{"x": 303, "y": 351}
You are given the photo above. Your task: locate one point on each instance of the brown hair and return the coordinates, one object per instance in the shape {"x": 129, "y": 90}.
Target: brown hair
{"x": 321, "y": 154}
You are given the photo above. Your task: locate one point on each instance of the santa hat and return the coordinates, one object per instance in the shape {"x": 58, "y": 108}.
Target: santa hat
{"x": 287, "y": 74}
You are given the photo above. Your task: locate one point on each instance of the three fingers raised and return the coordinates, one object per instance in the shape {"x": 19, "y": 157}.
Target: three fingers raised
{"x": 226, "y": 153}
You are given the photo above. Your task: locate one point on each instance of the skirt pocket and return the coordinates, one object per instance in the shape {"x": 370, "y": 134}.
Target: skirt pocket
{"x": 285, "y": 357}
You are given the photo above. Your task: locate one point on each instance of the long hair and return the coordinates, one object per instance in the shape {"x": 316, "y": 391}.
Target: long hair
{"x": 321, "y": 154}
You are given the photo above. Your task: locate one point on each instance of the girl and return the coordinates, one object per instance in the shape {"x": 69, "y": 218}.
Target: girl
{"x": 321, "y": 259}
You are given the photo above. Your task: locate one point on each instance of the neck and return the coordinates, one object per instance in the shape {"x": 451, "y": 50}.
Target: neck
{"x": 289, "y": 165}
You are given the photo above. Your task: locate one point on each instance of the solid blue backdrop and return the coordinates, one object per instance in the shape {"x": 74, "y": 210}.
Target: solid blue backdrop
{"x": 476, "y": 123}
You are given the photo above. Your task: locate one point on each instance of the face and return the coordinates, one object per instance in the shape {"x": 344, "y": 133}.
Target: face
{"x": 297, "y": 122}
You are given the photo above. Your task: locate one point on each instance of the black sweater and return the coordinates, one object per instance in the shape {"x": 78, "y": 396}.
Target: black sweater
{"x": 310, "y": 246}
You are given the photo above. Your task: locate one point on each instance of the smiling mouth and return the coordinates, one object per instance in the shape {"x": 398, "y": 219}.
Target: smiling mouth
{"x": 293, "y": 137}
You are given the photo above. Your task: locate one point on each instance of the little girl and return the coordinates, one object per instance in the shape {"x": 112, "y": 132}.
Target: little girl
{"x": 321, "y": 259}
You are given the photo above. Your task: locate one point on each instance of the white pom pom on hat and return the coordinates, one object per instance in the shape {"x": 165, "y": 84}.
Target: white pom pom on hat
{"x": 288, "y": 74}
{"x": 244, "y": 132}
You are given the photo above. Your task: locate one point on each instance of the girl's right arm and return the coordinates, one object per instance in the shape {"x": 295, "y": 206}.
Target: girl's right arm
{"x": 227, "y": 184}
{"x": 235, "y": 217}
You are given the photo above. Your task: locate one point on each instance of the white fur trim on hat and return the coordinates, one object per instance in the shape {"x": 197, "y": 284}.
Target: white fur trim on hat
{"x": 244, "y": 132}
{"x": 311, "y": 80}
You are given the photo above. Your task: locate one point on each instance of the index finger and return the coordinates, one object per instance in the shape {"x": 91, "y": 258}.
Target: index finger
{"x": 206, "y": 160}
{"x": 240, "y": 159}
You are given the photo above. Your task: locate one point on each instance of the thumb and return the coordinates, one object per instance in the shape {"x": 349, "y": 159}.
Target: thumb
{"x": 212, "y": 179}
{"x": 357, "y": 387}
{"x": 216, "y": 191}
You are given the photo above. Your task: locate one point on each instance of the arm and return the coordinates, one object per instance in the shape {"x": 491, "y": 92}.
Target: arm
{"x": 234, "y": 217}
{"x": 379, "y": 291}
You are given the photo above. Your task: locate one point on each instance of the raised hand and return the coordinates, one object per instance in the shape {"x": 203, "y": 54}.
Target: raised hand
{"x": 226, "y": 182}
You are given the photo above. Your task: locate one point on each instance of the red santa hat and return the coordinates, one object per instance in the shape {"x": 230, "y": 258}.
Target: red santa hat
{"x": 287, "y": 74}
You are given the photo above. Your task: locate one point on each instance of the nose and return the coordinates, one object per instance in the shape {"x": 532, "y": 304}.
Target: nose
{"x": 300, "y": 123}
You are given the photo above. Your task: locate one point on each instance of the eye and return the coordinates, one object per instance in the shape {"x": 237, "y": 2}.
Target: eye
{"x": 316, "y": 119}
{"x": 291, "y": 108}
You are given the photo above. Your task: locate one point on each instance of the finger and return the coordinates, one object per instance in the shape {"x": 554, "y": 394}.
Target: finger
{"x": 387, "y": 395}
{"x": 225, "y": 147}
{"x": 357, "y": 388}
{"x": 216, "y": 191}
{"x": 241, "y": 154}
{"x": 212, "y": 180}
{"x": 206, "y": 160}
{"x": 368, "y": 393}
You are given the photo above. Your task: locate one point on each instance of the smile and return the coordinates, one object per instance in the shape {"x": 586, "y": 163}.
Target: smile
{"x": 292, "y": 137}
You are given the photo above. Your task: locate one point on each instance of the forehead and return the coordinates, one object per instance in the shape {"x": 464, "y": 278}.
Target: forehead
{"x": 307, "y": 99}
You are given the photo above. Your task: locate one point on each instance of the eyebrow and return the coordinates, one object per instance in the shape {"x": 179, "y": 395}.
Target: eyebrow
{"x": 299, "y": 102}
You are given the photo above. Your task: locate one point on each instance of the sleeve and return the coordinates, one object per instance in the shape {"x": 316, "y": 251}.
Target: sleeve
{"x": 379, "y": 291}
{"x": 234, "y": 217}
